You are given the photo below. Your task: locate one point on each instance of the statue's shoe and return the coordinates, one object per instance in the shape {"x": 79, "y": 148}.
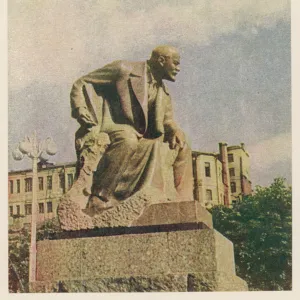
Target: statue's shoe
{"x": 97, "y": 204}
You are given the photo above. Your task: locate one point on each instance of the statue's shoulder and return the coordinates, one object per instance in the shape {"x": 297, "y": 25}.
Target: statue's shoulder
{"x": 126, "y": 67}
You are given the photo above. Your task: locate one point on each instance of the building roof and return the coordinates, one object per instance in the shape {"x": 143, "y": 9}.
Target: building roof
{"x": 47, "y": 167}
{"x": 198, "y": 153}
{"x": 238, "y": 147}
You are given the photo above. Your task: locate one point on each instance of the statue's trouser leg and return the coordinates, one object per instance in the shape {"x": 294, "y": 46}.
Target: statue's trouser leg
{"x": 143, "y": 170}
{"x": 114, "y": 162}
{"x": 183, "y": 173}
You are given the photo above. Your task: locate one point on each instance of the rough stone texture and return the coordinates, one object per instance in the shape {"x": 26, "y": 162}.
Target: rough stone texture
{"x": 215, "y": 281}
{"x": 71, "y": 216}
{"x": 145, "y": 208}
{"x": 160, "y": 283}
{"x": 174, "y": 213}
{"x": 146, "y": 254}
{"x": 44, "y": 287}
{"x": 187, "y": 260}
{"x": 59, "y": 259}
{"x": 222, "y": 246}
{"x": 200, "y": 251}
{"x": 71, "y": 207}
{"x": 194, "y": 282}
{"x": 129, "y": 210}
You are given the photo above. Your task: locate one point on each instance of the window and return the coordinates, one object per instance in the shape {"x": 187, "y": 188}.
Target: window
{"x": 41, "y": 208}
{"x": 49, "y": 182}
{"x": 11, "y": 186}
{"x": 18, "y": 186}
{"x": 28, "y": 184}
{"x": 231, "y": 172}
{"x": 28, "y": 209}
{"x": 62, "y": 180}
{"x": 11, "y": 210}
{"x": 70, "y": 180}
{"x": 41, "y": 183}
{"x": 208, "y": 195}
{"x": 230, "y": 157}
{"x": 233, "y": 187}
{"x": 207, "y": 169}
{"x": 18, "y": 209}
{"x": 49, "y": 207}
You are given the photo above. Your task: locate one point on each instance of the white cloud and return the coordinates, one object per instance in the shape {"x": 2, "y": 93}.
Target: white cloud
{"x": 271, "y": 151}
{"x": 56, "y": 41}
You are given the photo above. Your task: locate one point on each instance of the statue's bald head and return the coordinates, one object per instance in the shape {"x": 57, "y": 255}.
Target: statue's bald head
{"x": 163, "y": 50}
{"x": 165, "y": 62}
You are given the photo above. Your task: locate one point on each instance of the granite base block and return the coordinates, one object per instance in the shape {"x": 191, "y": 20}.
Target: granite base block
{"x": 196, "y": 282}
{"x": 187, "y": 212}
{"x": 167, "y": 283}
{"x": 215, "y": 282}
{"x": 176, "y": 252}
{"x": 184, "y": 260}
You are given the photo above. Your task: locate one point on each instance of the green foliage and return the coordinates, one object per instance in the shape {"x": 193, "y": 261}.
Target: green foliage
{"x": 19, "y": 243}
{"x": 260, "y": 227}
{"x": 19, "y": 261}
{"x": 48, "y": 229}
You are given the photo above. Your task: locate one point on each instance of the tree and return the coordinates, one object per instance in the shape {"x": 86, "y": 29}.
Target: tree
{"x": 260, "y": 227}
{"x": 19, "y": 261}
{"x": 19, "y": 242}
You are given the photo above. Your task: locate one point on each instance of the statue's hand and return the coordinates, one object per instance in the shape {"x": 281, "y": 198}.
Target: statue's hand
{"x": 178, "y": 139}
{"x": 85, "y": 118}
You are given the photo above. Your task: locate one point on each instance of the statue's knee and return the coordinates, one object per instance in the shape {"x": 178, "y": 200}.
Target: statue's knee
{"x": 185, "y": 152}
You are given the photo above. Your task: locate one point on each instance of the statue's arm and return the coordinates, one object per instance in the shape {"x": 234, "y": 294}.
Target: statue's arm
{"x": 107, "y": 75}
{"x": 169, "y": 124}
{"x": 174, "y": 135}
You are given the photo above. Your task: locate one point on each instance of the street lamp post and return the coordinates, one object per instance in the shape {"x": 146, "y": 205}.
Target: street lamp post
{"x": 35, "y": 150}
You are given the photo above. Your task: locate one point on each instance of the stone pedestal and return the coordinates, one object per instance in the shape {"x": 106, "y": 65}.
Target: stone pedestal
{"x": 170, "y": 247}
{"x": 187, "y": 260}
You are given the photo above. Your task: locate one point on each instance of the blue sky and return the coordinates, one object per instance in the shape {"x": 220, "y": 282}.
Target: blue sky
{"x": 234, "y": 83}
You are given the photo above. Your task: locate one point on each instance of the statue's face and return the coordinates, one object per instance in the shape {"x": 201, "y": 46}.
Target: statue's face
{"x": 171, "y": 66}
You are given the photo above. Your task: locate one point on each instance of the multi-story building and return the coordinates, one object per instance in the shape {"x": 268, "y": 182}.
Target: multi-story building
{"x": 53, "y": 182}
{"x": 219, "y": 178}
{"x": 238, "y": 167}
{"x": 208, "y": 178}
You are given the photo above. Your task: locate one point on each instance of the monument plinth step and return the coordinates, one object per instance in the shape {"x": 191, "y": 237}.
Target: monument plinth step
{"x": 186, "y": 212}
{"x": 144, "y": 258}
{"x": 170, "y": 246}
{"x": 194, "y": 282}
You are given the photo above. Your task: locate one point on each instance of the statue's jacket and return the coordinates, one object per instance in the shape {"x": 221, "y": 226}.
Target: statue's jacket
{"x": 123, "y": 85}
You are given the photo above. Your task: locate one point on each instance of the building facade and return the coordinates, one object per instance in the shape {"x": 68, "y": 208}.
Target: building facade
{"x": 238, "y": 167}
{"x": 219, "y": 179}
{"x": 53, "y": 182}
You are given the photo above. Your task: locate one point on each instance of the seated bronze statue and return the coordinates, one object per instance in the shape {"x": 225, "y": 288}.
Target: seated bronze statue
{"x": 128, "y": 130}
